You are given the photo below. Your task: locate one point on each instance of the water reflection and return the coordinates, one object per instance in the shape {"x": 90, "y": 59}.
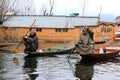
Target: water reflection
{"x": 56, "y": 68}
{"x": 84, "y": 71}
{"x": 30, "y": 66}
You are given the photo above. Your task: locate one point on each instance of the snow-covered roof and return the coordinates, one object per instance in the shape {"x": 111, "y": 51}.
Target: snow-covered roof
{"x": 50, "y": 21}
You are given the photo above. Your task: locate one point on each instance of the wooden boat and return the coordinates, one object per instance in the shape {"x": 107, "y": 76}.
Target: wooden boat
{"x": 60, "y": 49}
{"x": 109, "y": 53}
{"x": 50, "y": 53}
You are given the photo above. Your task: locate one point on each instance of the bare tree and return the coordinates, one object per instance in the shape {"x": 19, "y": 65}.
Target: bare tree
{"x": 5, "y": 7}
{"x": 48, "y": 9}
{"x": 44, "y": 10}
{"x": 24, "y": 7}
{"x": 19, "y": 7}
{"x": 51, "y": 7}
{"x": 85, "y": 3}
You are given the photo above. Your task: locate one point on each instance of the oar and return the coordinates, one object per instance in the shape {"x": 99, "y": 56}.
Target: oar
{"x": 15, "y": 50}
{"x": 72, "y": 51}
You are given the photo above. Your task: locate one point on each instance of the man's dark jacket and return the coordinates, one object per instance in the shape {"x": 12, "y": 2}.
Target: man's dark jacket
{"x": 31, "y": 43}
{"x": 91, "y": 34}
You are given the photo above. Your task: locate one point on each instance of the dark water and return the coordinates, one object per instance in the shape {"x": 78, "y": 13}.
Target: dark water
{"x": 22, "y": 67}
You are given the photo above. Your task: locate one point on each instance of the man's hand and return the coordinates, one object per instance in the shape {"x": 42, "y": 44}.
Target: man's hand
{"x": 76, "y": 44}
{"x": 25, "y": 37}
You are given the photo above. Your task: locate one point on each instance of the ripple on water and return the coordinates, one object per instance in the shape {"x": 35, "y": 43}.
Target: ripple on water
{"x": 107, "y": 71}
{"x": 54, "y": 68}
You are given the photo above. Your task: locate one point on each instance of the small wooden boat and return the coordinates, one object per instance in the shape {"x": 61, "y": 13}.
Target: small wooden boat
{"x": 108, "y": 54}
{"x": 60, "y": 49}
{"x": 50, "y": 53}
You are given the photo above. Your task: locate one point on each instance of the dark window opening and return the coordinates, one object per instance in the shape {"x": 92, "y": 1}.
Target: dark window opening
{"x": 65, "y": 30}
{"x": 108, "y": 29}
{"x": 57, "y": 30}
{"x": 39, "y": 30}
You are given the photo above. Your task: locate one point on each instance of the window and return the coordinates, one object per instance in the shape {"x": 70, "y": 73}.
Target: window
{"x": 102, "y": 29}
{"x": 106, "y": 29}
{"x": 57, "y": 30}
{"x": 39, "y": 30}
{"x": 5, "y": 28}
{"x": 65, "y": 30}
{"x": 61, "y": 30}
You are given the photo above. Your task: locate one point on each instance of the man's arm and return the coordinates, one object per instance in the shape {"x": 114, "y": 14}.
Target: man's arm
{"x": 91, "y": 33}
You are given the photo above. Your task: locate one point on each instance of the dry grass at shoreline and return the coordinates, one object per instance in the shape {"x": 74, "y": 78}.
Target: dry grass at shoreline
{"x": 10, "y": 35}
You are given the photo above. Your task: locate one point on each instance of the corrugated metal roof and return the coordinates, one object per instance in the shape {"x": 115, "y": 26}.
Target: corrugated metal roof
{"x": 118, "y": 21}
{"x": 51, "y": 21}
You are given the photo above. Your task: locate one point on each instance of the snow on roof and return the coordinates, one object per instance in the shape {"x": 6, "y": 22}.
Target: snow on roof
{"x": 50, "y": 21}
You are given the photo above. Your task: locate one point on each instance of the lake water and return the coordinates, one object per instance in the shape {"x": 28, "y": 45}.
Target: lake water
{"x": 22, "y": 67}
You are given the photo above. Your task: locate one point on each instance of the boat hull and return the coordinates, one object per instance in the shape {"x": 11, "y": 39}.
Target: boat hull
{"x": 51, "y": 53}
{"x": 98, "y": 56}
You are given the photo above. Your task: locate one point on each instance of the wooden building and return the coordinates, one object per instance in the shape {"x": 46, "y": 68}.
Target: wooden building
{"x": 105, "y": 31}
{"x": 59, "y": 28}
{"x": 118, "y": 22}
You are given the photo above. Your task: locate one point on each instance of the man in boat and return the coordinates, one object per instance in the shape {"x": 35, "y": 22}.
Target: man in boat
{"x": 85, "y": 43}
{"x": 31, "y": 41}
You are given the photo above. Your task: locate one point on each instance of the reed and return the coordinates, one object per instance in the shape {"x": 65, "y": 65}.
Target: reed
{"x": 10, "y": 34}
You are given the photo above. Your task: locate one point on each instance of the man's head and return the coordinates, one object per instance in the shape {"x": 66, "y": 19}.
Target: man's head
{"x": 84, "y": 31}
{"x": 86, "y": 27}
{"x": 33, "y": 31}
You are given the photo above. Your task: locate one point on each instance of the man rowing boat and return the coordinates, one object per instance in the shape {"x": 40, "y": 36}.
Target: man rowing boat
{"x": 85, "y": 43}
{"x": 31, "y": 41}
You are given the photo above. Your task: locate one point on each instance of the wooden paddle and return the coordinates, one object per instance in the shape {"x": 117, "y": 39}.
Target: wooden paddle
{"x": 72, "y": 51}
{"x": 15, "y": 50}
